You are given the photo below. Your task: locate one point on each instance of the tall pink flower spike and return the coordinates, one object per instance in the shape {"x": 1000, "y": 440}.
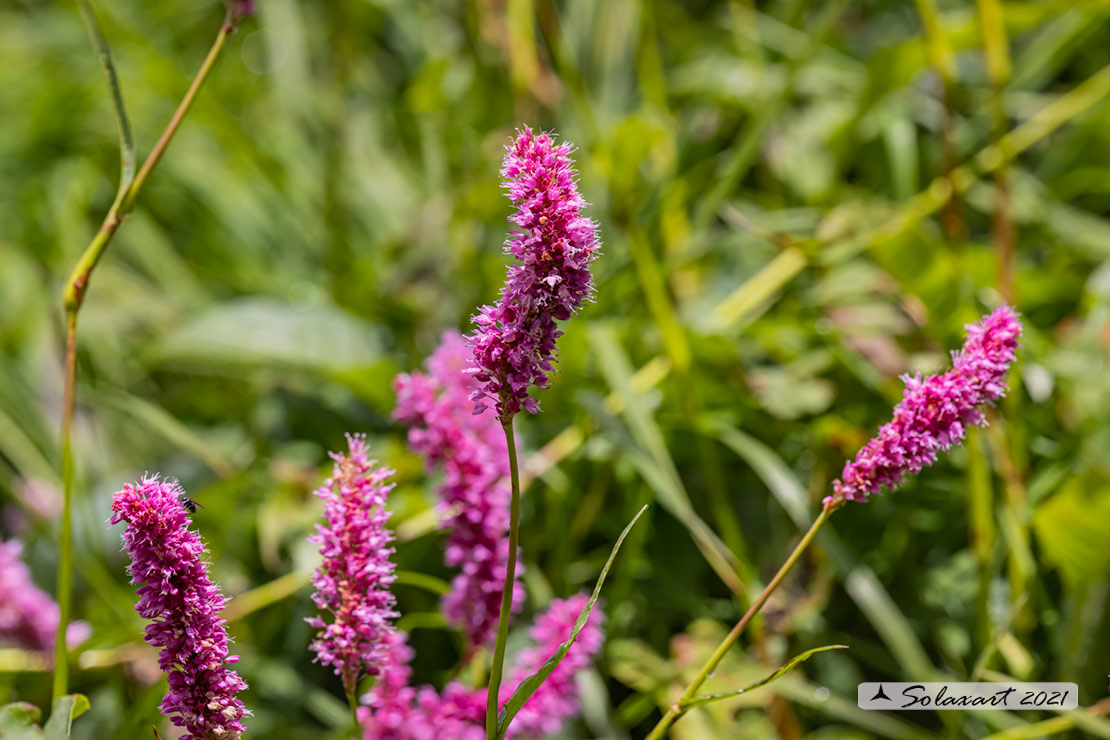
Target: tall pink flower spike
{"x": 934, "y": 413}
{"x": 184, "y": 607}
{"x": 514, "y": 343}
{"x": 28, "y": 616}
{"x": 353, "y": 580}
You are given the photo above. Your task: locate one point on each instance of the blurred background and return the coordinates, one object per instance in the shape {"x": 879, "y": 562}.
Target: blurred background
{"x": 799, "y": 201}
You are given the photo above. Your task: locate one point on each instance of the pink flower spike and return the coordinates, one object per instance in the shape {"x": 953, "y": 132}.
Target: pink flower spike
{"x": 935, "y": 412}
{"x": 184, "y": 607}
{"x": 474, "y": 493}
{"x": 28, "y": 616}
{"x": 514, "y": 342}
{"x": 352, "y": 583}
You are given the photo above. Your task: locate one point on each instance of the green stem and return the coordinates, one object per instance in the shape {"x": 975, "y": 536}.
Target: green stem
{"x": 65, "y": 533}
{"x": 79, "y": 279}
{"x": 497, "y": 668}
{"x": 74, "y": 297}
{"x": 679, "y": 707}
{"x": 352, "y": 702}
{"x": 183, "y": 107}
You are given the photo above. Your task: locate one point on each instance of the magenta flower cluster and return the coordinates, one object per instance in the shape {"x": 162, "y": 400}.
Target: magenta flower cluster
{"x": 474, "y": 493}
{"x": 397, "y": 711}
{"x": 352, "y": 583}
{"x": 184, "y": 607}
{"x": 935, "y": 412}
{"x": 514, "y": 343}
{"x": 28, "y": 616}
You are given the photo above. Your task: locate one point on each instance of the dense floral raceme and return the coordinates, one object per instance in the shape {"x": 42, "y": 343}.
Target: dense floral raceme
{"x": 184, "y": 606}
{"x": 935, "y": 412}
{"x": 397, "y": 711}
{"x": 353, "y": 580}
{"x": 28, "y": 616}
{"x": 474, "y": 493}
{"x": 514, "y": 343}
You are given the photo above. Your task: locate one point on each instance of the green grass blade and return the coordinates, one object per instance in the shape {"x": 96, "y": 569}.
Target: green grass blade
{"x": 530, "y": 684}
{"x": 653, "y": 460}
{"x": 123, "y": 124}
{"x": 790, "y": 665}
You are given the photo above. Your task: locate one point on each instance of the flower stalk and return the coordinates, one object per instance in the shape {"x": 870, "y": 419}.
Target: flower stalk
{"x": 352, "y": 584}
{"x": 514, "y": 343}
{"x": 77, "y": 285}
{"x": 498, "y": 665}
{"x": 933, "y": 416}
{"x": 685, "y": 701}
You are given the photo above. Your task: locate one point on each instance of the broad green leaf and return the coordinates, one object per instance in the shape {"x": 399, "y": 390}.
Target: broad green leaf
{"x": 786, "y": 668}
{"x": 17, "y": 715}
{"x": 429, "y": 583}
{"x": 165, "y": 425}
{"x": 530, "y": 684}
{"x": 269, "y": 333}
{"x": 1072, "y": 528}
{"x": 62, "y": 714}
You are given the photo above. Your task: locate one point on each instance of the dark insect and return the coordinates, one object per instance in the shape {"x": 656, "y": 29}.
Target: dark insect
{"x": 190, "y": 505}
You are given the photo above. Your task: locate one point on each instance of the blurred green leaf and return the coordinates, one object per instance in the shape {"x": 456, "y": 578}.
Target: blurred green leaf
{"x": 656, "y": 466}
{"x": 1073, "y": 527}
{"x": 18, "y": 715}
{"x": 62, "y": 714}
{"x": 259, "y": 331}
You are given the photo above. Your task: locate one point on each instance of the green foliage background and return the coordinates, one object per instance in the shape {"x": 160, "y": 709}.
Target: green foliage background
{"x": 779, "y": 246}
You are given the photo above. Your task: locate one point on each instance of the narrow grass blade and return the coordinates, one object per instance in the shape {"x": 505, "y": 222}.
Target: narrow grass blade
{"x": 790, "y": 665}
{"x": 652, "y": 459}
{"x": 530, "y": 684}
{"x": 126, "y": 135}
{"x": 775, "y": 473}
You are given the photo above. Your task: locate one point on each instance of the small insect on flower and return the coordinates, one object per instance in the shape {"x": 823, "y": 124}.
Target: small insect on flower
{"x": 190, "y": 505}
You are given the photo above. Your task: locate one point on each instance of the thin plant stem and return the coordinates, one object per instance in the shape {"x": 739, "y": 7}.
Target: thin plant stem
{"x": 226, "y": 29}
{"x": 679, "y": 707}
{"x": 78, "y": 282}
{"x": 352, "y": 702}
{"x": 74, "y": 297}
{"x": 498, "y": 665}
{"x": 65, "y": 533}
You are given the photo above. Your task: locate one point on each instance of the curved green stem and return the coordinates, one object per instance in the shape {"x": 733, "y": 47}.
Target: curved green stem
{"x": 684, "y": 702}
{"x": 498, "y": 665}
{"x": 78, "y": 283}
